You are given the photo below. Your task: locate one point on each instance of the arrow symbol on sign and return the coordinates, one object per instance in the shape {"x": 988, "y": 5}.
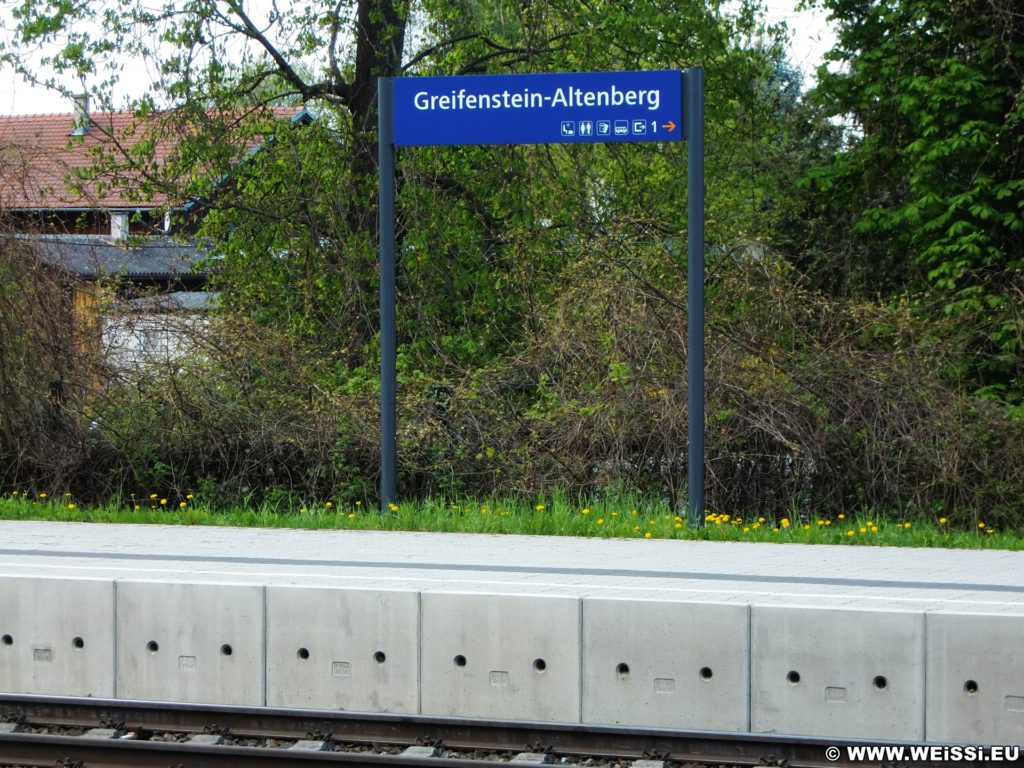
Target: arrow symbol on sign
{"x": 669, "y": 126}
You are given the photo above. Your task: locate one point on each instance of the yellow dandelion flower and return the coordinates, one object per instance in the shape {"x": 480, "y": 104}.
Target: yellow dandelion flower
{"x": 821, "y": 522}
{"x": 678, "y": 525}
{"x": 539, "y": 507}
{"x": 71, "y": 506}
{"x": 906, "y": 525}
{"x": 842, "y": 516}
{"x": 351, "y": 515}
{"x": 600, "y": 521}
{"x": 784, "y": 522}
{"x": 182, "y": 504}
{"x": 14, "y": 493}
{"x": 615, "y": 514}
{"x": 863, "y": 530}
{"x": 807, "y": 527}
{"x": 874, "y": 529}
{"x": 137, "y": 507}
{"x": 981, "y": 525}
{"x": 636, "y": 528}
{"x": 943, "y": 521}
{"x": 330, "y": 504}
{"x": 302, "y": 510}
{"x": 392, "y": 506}
{"x": 849, "y": 533}
{"x": 647, "y": 535}
{"x": 869, "y": 523}
{"x": 746, "y": 529}
{"x": 989, "y": 530}
{"x": 188, "y": 496}
{"x": 760, "y": 519}
{"x": 163, "y": 502}
{"x": 42, "y": 495}
{"x": 359, "y": 503}
{"x": 153, "y": 496}
{"x": 585, "y": 511}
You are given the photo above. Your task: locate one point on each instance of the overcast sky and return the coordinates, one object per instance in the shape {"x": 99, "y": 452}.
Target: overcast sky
{"x": 809, "y": 33}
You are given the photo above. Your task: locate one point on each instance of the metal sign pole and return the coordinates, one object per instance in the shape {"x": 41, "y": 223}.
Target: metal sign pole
{"x": 695, "y": 293}
{"x": 388, "y": 334}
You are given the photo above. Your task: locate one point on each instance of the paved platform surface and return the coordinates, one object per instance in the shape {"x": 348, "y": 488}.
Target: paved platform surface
{"x": 793, "y": 574}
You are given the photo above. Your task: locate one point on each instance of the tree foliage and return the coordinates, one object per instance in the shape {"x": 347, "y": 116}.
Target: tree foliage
{"x": 932, "y": 182}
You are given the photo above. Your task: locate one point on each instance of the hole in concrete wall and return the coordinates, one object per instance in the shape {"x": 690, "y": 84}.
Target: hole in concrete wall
{"x": 971, "y": 686}
{"x": 623, "y": 670}
{"x": 7, "y": 640}
{"x": 380, "y": 657}
{"x": 706, "y": 673}
{"x": 303, "y": 653}
{"x": 793, "y": 676}
{"x": 540, "y": 665}
{"x": 880, "y": 682}
{"x": 226, "y": 649}
{"x": 460, "y": 660}
{"x": 153, "y": 646}
{"x": 78, "y": 643}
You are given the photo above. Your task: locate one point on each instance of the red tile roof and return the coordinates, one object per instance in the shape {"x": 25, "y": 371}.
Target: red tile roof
{"x": 39, "y": 157}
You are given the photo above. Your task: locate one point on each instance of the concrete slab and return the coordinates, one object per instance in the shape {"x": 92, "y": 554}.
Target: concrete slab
{"x": 57, "y": 636}
{"x": 198, "y": 643}
{"x": 837, "y": 673}
{"x": 975, "y": 678}
{"x": 500, "y": 656}
{"x": 345, "y": 649}
{"x": 666, "y": 664}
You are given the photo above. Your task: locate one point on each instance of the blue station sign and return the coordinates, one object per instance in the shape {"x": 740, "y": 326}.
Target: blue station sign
{"x": 557, "y": 108}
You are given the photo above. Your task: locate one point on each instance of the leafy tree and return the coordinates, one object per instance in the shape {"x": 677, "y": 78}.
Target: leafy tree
{"x": 932, "y": 180}
{"x": 297, "y": 224}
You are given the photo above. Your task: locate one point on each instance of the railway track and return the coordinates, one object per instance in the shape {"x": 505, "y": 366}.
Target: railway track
{"x": 77, "y": 733}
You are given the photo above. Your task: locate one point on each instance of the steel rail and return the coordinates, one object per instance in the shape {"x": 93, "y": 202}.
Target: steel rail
{"x": 568, "y": 741}
{"x": 48, "y": 750}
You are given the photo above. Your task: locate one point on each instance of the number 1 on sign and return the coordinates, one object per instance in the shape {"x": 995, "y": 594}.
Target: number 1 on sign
{"x": 654, "y": 126}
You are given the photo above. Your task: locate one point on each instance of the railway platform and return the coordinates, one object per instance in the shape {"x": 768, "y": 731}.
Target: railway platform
{"x": 820, "y": 641}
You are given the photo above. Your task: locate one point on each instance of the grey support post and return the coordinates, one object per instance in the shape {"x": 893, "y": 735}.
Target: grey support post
{"x": 694, "y": 115}
{"x": 388, "y": 334}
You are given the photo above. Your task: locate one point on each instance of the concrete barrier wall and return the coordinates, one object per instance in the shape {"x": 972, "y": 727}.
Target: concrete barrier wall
{"x": 666, "y": 664}
{"x": 975, "y": 670}
{"x": 912, "y": 674}
{"x": 347, "y": 649}
{"x": 200, "y": 643}
{"x": 57, "y": 636}
{"x": 837, "y": 672}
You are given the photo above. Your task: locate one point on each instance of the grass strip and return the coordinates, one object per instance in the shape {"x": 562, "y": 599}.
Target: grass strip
{"x": 622, "y": 516}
